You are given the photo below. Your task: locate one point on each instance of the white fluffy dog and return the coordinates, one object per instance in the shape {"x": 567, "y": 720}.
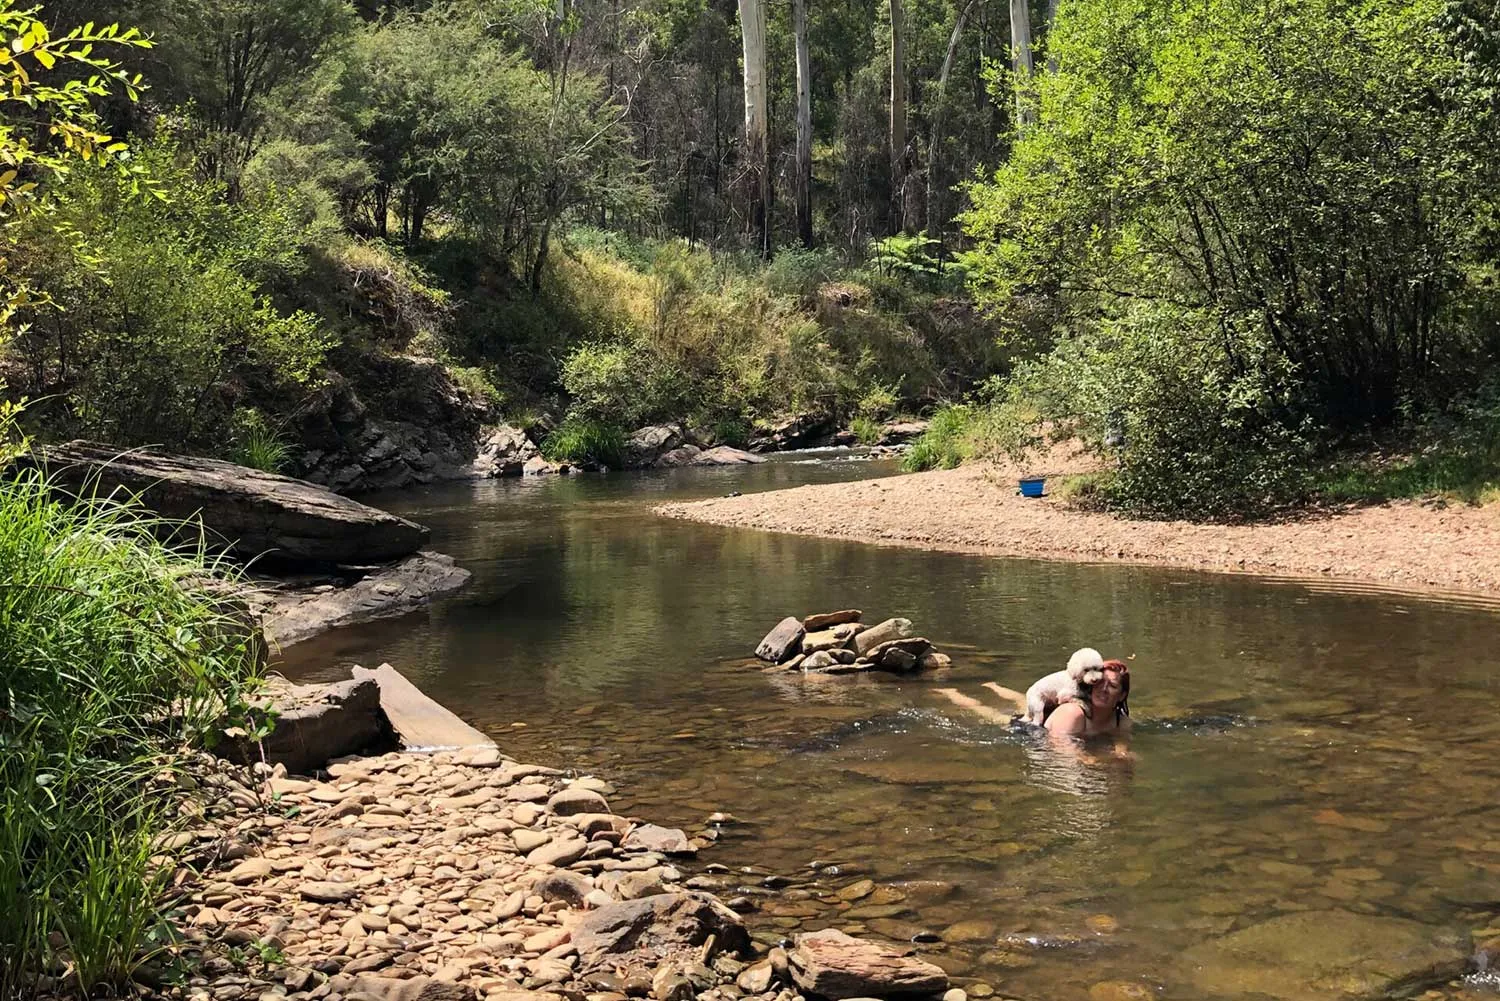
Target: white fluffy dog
{"x": 1086, "y": 666}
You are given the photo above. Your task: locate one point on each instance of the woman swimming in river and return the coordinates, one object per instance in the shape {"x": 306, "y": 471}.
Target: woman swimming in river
{"x": 1100, "y": 707}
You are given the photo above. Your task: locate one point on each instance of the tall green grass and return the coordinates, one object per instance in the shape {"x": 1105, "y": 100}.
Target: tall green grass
{"x": 945, "y": 443}
{"x": 114, "y": 665}
{"x": 581, "y": 439}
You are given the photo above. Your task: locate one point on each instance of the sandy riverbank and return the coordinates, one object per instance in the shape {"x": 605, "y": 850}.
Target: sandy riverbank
{"x": 976, "y": 509}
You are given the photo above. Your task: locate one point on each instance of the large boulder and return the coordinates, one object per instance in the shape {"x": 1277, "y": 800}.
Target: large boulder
{"x": 503, "y": 451}
{"x": 244, "y": 511}
{"x": 658, "y": 926}
{"x": 830, "y": 964}
{"x": 648, "y": 444}
{"x": 901, "y": 432}
{"x": 684, "y": 455}
{"x": 317, "y": 723}
{"x": 798, "y": 431}
{"x": 1314, "y": 955}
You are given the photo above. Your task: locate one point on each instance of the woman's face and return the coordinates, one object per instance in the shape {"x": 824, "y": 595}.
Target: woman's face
{"x": 1108, "y": 692}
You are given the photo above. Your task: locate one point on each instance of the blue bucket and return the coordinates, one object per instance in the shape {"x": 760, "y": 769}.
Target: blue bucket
{"x": 1032, "y": 487}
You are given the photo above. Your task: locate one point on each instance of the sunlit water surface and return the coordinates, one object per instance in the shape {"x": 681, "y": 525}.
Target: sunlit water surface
{"x": 1296, "y": 748}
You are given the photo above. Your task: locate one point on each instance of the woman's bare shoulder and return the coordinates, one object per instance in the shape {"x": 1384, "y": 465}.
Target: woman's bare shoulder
{"x": 1067, "y": 718}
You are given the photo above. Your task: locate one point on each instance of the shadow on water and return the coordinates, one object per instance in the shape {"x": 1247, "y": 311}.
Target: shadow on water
{"x": 1296, "y": 750}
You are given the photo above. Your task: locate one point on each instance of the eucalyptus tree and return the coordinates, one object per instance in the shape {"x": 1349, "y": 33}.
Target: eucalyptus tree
{"x": 803, "y": 174}
{"x": 757, "y": 120}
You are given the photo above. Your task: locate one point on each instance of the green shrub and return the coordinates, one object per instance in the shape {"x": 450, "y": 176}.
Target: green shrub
{"x": 866, "y": 431}
{"x": 165, "y": 313}
{"x": 113, "y": 665}
{"x": 945, "y": 443}
{"x": 581, "y": 439}
{"x": 731, "y": 431}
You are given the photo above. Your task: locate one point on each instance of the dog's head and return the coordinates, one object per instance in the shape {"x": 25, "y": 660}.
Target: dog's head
{"x": 1087, "y": 659}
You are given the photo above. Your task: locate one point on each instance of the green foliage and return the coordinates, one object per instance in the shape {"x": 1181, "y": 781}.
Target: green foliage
{"x": 1259, "y": 228}
{"x": 112, "y": 665}
{"x": 945, "y": 444}
{"x": 167, "y": 311}
{"x": 910, "y": 256}
{"x": 258, "y": 444}
{"x": 865, "y": 430}
{"x": 1455, "y": 454}
{"x": 583, "y": 439}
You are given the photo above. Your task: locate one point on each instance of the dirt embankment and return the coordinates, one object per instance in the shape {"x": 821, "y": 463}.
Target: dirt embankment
{"x": 977, "y": 509}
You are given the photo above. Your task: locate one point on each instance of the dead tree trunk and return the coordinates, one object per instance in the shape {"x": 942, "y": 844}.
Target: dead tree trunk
{"x": 804, "y": 124}
{"x": 757, "y": 147}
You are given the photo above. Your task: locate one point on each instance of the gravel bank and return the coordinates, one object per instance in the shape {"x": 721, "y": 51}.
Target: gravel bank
{"x": 977, "y": 509}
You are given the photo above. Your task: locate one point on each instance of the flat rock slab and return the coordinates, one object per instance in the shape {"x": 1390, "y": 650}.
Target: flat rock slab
{"x": 1316, "y": 955}
{"x": 243, "y": 511}
{"x": 834, "y": 965}
{"x": 782, "y": 642}
{"x": 824, "y": 620}
{"x": 290, "y": 615}
{"x": 723, "y": 455}
{"x": 328, "y": 893}
{"x": 661, "y": 925}
{"x": 419, "y": 722}
{"x": 414, "y": 989}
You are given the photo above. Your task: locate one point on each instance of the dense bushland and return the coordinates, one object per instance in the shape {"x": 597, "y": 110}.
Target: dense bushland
{"x": 1266, "y": 232}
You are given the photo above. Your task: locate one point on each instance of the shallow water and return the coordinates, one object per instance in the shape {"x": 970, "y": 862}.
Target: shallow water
{"x": 1296, "y": 749}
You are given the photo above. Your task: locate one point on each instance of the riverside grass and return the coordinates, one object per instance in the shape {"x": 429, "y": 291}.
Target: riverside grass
{"x": 114, "y": 666}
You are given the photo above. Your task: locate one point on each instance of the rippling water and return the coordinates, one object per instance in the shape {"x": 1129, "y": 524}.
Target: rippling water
{"x": 1297, "y": 749}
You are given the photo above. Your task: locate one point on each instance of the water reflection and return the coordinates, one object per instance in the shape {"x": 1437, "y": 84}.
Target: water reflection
{"x": 1296, "y": 749}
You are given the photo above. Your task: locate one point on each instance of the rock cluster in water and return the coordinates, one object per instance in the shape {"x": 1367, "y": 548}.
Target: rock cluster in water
{"x": 838, "y": 643}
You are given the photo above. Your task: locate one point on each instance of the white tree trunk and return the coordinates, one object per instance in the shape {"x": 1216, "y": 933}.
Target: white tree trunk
{"x": 1020, "y": 48}
{"x": 757, "y": 149}
{"x": 898, "y": 116}
{"x": 804, "y": 123}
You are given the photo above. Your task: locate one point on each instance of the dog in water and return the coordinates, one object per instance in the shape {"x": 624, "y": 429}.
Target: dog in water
{"x": 1085, "y": 667}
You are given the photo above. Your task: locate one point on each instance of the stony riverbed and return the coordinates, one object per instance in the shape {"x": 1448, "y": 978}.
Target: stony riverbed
{"x": 465, "y": 875}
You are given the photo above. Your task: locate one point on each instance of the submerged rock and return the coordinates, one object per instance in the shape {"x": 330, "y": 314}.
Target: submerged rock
{"x": 834, "y": 965}
{"x": 1314, "y": 955}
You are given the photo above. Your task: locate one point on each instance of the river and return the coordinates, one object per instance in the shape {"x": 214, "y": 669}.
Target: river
{"x": 1302, "y": 756}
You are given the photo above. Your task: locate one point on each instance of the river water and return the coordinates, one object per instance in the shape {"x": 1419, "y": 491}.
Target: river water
{"x": 1301, "y": 754}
